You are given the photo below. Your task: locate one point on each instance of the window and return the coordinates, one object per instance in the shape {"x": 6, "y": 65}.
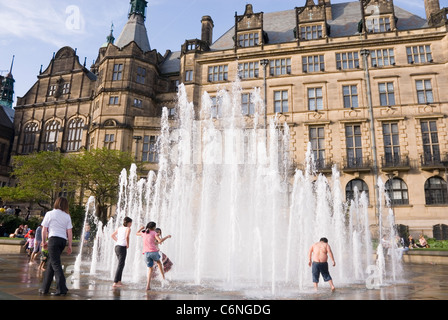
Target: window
{"x": 382, "y": 57}
{"x": 356, "y": 185}
{"x": 51, "y": 135}
{"x": 431, "y": 151}
{"x": 248, "y": 70}
{"x": 419, "y": 54}
{"x": 378, "y": 24}
{"x": 387, "y": 95}
{"x": 248, "y": 39}
{"x": 29, "y": 138}
{"x": 313, "y": 63}
{"x": 52, "y": 90}
{"x": 150, "y": 152}
{"x": 109, "y": 138}
{"x": 171, "y": 112}
{"x": 3, "y": 155}
{"x": 397, "y": 191}
{"x": 141, "y": 75}
{"x": 435, "y": 191}
{"x": 218, "y": 73}
{"x": 317, "y": 139}
{"x": 114, "y": 100}
{"x": 66, "y": 88}
{"x": 247, "y": 107}
{"x": 118, "y": 72}
{"x": 281, "y": 101}
{"x": 311, "y": 32}
{"x": 74, "y": 139}
{"x": 391, "y": 143}
{"x": 347, "y": 60}
{"x": 189, "y": 75}
{"x": 138, "y": 103}
{"x": 424, "y": 91}
{"x": 315, "y": 99}
{"x": 350, "y": 95}
{"x": 280, "y": 66}
{"x": 216, "y": 107}
{"x": 353, "y": 140}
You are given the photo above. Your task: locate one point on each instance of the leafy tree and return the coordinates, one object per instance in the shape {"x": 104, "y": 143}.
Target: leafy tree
{"x": 98, "y": 172}
{"x": 41, "y": 178}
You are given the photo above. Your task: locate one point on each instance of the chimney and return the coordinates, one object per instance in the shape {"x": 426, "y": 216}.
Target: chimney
{"x": 207, "y": 29}
{"x": 328, "y": 11}
{"x": 431, "y": 6}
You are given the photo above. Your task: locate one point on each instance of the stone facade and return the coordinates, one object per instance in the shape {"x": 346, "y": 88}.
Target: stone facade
{"x": 316, "y": 81}
{"x": 316, "y": 64}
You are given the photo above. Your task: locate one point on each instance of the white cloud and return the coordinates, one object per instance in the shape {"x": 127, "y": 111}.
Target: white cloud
{"x": 47, "y": 21}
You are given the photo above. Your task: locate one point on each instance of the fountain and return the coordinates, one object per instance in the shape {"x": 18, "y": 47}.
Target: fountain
{"x": 240, "y": 217}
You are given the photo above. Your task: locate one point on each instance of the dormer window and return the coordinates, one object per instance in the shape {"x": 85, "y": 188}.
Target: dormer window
{"x": 248, "y": 39}
{"x": 311, "y": 32}
{"x": 66, "y": 88}
{"x": 378, "y": 24}
{"x": 52, "y": 90}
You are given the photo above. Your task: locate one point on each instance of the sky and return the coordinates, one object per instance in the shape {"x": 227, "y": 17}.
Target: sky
{"x": 33, "y": 30}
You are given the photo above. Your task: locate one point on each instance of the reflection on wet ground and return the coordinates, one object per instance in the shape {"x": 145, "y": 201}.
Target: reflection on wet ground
{"x": 21, "y": 281}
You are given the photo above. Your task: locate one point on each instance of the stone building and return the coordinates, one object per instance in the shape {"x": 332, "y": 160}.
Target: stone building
{"x": 116, "y": 103}
{"x": 316, "y": 81}
{"x": 385, "y": 118}
{"x": 6, "y": 124}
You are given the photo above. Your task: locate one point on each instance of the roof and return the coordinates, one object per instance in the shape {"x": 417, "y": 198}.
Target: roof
{"x": 280, "y": 25}
{"x": 134, "y": 30}
{"x": 171, "y": 64}
{"x": 6, "y": 117}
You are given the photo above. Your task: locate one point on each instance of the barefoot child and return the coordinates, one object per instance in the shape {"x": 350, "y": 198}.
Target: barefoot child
{"x": 151, "y": 250}
{"x": 121, "y": 237}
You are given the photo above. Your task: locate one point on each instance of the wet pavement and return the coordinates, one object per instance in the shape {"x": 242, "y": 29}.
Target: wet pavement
{"x": 20, "y": 281}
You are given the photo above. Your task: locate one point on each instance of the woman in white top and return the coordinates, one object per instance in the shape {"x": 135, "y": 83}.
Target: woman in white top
{"x": 121, "y": 237}
{"x": 57, "y": 225}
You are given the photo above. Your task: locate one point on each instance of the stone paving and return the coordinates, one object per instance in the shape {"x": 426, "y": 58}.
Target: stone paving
{"x": 20, "y": 281}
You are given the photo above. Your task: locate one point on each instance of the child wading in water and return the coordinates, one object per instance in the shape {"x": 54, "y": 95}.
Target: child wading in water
{"x": 151, "y": 250}
{"x": 121, "y": 237}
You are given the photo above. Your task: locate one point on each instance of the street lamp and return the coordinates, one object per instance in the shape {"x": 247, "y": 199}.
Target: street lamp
{"x": 264, "y": 63}
{"x": 365, "y": 53}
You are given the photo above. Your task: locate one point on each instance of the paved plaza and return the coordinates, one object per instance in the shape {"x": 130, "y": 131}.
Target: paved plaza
{"x": 21, "y": 281}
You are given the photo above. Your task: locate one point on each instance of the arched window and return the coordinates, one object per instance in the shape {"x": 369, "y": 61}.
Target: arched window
{"x": 29, "y": 138}
{"x": 74, "y": 139}
{"x": 435, "y": 191}
{"x": 51, "y": 135}
{"x": 358, "y": 184}
{"x": 397, "y": 191}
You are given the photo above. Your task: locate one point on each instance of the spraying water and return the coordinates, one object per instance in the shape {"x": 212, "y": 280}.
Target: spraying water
{"x": 239, "y": 215}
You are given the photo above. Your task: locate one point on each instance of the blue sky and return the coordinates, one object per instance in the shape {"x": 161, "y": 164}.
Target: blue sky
{"x": 32, "y": 30}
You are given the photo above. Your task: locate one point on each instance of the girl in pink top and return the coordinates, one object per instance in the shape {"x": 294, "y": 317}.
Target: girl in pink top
{"x": 151, "y": 249}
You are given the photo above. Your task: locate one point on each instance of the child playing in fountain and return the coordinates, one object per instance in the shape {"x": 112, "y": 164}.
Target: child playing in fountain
{"x": 43, "y": 259}
{"x": 166, "y": 262}
{"x": 29, "y": 245}
{"x": 121, "y": 237}
{"x": 151, "y": 250}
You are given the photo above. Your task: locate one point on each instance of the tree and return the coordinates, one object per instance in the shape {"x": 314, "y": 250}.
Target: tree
{"x": 98, "y": 172}
{"x": 40, "y": 178}
{"x": 44, "y": 176}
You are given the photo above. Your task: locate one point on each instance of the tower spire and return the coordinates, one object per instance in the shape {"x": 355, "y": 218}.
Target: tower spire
{"x": 12, "y": 64}
{"x": 7, "y": 88}
{"x": 138, "y": 7}
{"x": 110, "y": 37}
{"x": 135, "y": 29}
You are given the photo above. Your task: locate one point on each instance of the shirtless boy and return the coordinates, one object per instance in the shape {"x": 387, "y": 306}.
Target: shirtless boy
{"x": 318, "y": 256}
